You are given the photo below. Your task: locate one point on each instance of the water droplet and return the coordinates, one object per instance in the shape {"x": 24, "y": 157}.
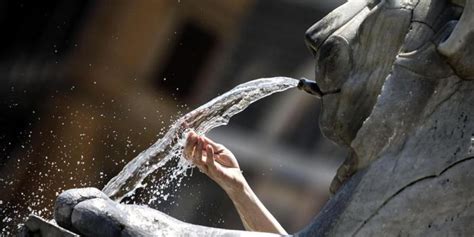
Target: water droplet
{"x": 215, "y": 113}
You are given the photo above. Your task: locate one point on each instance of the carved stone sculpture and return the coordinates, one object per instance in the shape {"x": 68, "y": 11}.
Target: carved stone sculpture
{"x": 405, "y": 109}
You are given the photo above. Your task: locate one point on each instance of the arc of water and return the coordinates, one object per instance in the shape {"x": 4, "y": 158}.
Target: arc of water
{"x": 216, "y": 112}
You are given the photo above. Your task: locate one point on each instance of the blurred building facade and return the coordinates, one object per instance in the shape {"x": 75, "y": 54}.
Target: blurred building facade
{"x": 87, "y": 85}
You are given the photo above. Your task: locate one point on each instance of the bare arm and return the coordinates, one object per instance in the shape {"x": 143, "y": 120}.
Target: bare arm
{"x": 220, "y": 165}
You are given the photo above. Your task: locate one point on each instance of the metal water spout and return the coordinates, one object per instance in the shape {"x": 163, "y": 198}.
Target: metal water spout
{"x": 310, "y": 86}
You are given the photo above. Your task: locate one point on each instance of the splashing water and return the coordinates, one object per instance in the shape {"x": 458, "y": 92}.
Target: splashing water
{"x": 216, "y": 112}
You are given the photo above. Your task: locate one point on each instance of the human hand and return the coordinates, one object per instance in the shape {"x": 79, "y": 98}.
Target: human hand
{"x": 216, "y": 161}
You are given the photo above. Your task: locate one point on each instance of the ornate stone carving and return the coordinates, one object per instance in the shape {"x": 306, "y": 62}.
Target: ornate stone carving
{"x": 406, "y": 112}
{"x": 405, "y": 109}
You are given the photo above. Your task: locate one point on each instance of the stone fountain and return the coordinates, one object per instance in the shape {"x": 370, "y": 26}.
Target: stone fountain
{"x": 403, "y": 71}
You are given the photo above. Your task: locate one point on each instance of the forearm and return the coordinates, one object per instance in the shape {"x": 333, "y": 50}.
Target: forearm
{"x": 252, "y": 212}
{"x": 220, "y": 164}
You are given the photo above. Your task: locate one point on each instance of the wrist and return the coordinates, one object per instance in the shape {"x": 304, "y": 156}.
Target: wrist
{"x": 238, "y": 190}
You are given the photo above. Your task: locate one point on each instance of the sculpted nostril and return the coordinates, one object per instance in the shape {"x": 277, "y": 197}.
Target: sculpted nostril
{"x": 317, "y": 34}
{"x": 328, "y": 50}
{"x": 312, "y": 50}
{"x": 323, "y": 29}
{"x": 310, "y": 43}
{"x": 334, "y": 61}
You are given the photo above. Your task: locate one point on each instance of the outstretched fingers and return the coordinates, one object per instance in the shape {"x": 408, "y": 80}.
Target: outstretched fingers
{"x": 202, "y": 152}
{"x": 215, "y": 146}
{"x": 199, "y": 159}
{"x": 191, "y": 142}
{"x": 210, "y": 156}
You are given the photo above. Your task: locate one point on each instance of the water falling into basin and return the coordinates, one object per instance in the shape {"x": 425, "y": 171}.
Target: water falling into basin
{"x": 216, "y": 112}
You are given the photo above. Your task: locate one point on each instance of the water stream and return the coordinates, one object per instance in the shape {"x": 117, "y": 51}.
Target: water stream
{"x": 214, "y": 113}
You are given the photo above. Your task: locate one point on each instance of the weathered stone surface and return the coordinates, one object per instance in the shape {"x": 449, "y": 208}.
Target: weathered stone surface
{"x": 441, "y": 199}
{"x": 97, "y": 215}
{"x": 37, "y": 226}
{"x": 67, "y": 200}
{"x": 332, "y": 22}
{"x": 458, "y": 48}
{"x": 413, "y": 152}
